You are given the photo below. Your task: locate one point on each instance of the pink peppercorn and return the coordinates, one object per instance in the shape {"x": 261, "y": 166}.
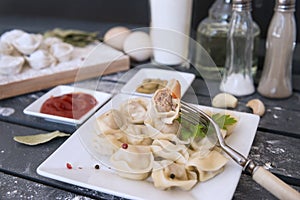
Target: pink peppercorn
{"x": 69, "y": 166}
{"x": 124, "y": 146}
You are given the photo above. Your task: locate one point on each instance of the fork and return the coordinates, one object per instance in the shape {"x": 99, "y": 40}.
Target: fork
{"x": 266, "y": 179}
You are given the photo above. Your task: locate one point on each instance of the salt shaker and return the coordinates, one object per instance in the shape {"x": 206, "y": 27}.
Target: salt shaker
{"x": 275, "y": 81}
{"x": 237, "y": 78}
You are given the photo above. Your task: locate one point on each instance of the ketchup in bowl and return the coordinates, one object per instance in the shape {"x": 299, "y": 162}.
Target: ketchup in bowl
{"x": 71, "y": 105}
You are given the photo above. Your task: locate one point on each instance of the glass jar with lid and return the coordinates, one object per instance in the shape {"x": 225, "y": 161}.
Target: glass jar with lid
{"x": 212, "y": 36}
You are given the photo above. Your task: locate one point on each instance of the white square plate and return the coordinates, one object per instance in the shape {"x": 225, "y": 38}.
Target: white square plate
{"x": 184, "y": 78}
{"x": 84, "y": 174}
{"x": 34, "y": 108}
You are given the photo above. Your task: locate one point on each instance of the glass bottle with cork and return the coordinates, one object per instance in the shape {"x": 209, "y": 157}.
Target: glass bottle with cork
{"x": 237, "y": 78}
{"x": 212, "y": 35}
{"x": 276, "y": 79}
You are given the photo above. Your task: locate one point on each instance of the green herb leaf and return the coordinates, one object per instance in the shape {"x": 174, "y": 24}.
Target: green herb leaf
{"x": 199, "y": 131}
{"x": 223, "y": 121}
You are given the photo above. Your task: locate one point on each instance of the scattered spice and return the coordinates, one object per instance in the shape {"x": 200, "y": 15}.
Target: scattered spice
{"x": 69, "y": 166}
{"x": 124, "y": 146}
{"x": 97, "y": 167}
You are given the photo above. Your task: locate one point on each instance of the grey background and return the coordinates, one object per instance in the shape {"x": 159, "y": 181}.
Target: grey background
{"x": 116, "y": 11}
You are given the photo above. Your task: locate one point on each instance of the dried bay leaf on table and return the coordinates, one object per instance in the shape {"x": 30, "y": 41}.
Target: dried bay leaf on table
{"x": 39, "y": 138}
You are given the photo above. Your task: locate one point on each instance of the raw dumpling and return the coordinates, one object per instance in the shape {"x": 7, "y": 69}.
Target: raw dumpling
{"x": 27, "y": 43}
{"x": 6, "y": 48}
{"x": 62, "y": 51}
{"x": 10, "y": 65}
{"x": 40, "y": 59}
{"x": 9, "y": 36}
{"x": 49, "y": 41}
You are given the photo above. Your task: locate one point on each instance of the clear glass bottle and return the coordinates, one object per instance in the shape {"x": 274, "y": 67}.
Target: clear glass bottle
{"x": 237, "y": 78}
{"x": 212, "y": 35}
{"x": 276, "y": 79}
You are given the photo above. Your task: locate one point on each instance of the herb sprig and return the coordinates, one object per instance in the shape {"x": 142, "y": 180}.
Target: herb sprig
{"x": 199, "y": 131}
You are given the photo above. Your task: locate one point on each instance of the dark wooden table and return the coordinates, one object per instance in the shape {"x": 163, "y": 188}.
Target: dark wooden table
{"x": 276, "y": 144}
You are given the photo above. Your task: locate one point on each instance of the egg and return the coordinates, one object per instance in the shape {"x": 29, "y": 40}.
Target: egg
{"x": 116, "y": 36}
{"x": 138, "y": 46}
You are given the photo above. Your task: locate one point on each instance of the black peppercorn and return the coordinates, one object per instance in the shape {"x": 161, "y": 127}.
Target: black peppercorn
{"x": 172, "y": 176}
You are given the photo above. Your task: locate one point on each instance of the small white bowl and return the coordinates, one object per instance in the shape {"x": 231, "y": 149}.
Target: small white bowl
{"x": 34, "y": 108}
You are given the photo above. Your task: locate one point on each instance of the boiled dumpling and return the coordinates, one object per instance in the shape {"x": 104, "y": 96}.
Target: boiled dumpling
{"x": 156, "y": 134}
{"x": 111, "y": 121}
{"x": 135, "y": 162}
{"x": 164, "y": 149}
{"x": 167, "y": 174}
{"x": 173, "y": 128}
{"x": 137, "y": 134}
{"x": 164, "y": 106}
{"x": 208, "y": 166}
{"x": 40, "y": 59}
{"x": 135, "y": 110}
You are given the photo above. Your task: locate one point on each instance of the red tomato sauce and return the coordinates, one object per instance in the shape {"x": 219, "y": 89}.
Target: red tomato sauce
{"x": 72, "y": 105}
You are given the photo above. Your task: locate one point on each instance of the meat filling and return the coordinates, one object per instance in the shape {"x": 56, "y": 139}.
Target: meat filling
{"x": 163, "y": 101}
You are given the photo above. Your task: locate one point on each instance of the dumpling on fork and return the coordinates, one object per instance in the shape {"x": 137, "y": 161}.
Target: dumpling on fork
{"x": 165, "y": 104}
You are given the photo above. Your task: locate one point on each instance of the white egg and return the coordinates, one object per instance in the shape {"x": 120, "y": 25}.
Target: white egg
{"x": 138, "y": 46}
{"x": 116, "y": 36}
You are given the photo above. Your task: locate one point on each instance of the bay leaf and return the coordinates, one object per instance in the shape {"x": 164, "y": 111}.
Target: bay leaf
{"x": 39, "y": 138}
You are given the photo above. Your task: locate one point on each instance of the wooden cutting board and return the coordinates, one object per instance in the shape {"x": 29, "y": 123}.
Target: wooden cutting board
{"x": 89, "y": 62}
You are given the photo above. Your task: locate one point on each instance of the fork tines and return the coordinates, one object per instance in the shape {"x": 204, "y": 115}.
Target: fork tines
{"x": 193, "y": 114}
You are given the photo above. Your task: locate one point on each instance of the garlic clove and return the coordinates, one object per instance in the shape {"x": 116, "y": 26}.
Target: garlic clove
{"x": 224, "y": 100}
{"x": 257, "y": 106}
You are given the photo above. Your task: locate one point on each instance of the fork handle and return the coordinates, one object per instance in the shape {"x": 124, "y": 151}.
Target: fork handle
{"x": 274, "y": 185}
